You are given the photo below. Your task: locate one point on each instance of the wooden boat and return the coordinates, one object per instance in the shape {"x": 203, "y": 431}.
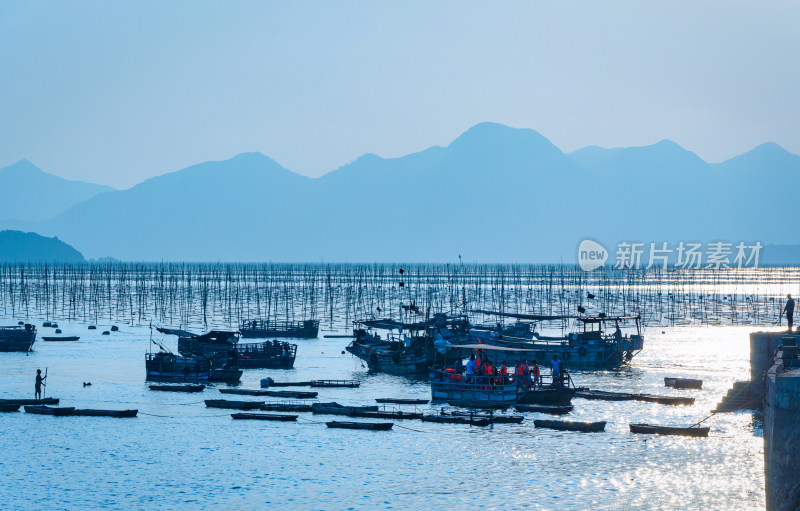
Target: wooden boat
{"x": 264, "y": 417}
{"x": 350, "y": 384}
{"x": 551, "y": 409}
{"x": 624, "y": 396}
{"x": 291, "y": 394}
{"x": 43, "y": 401}
{"x": 238, "y": 405}
{"x": 170, "y": 368}
{"x": 104, "y": 413}
{"x": 178, "y": 388}
{"x": 286, "y": 407}
{"x": 17, "y": 338}
{"x": 586, "y": 427}
{"x": 50, "y": 410}
{"x": 388, "y": 414}
{"x": 375, "y": 426}
{"x": 398, "y": 401}
{"x": 9, "y": 407}
{"x": 225, "y": 346}
{"x": 456, "y": 419}
{"x": 65, "y": 338}
{"x": 649, "y": 429}
{"x": 245, "y": 392}
{"x": 260, "y": 328}
{"x": 683, "y": 383}
{"x": 337, "y": 409}
{"x": 269, "y": 382}
{"x": 495, "y": 419}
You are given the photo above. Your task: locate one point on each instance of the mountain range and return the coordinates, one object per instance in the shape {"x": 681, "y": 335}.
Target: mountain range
{"x": 495, "y": 194}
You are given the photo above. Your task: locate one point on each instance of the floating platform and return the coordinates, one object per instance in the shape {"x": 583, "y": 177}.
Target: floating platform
{"x": 337, "y": 409}
{"x": 264, "y": 417}
{"x": 649, "y": 429}
{"x": 624, "y": 396}
{"x": 584, "y": 427}
{"x": 551, "y": 409}
{"x": 375, "y": 426}
{"x": 43, "y": 401}
{"x": 237, "y": 405}
{"x": 291, "y": 394}
{"x": 86, "y": 412}
{"x": 50, "y": 410}
{"x": 683, "y": 383}
{"x": 178, "y": 388}
{"x": 245, "y": 392}
{"x": 269, "y": 382}
{"x": 400, "y": 401}
{"x": 457, "y": 419}
{"x": 286, "y": 407}
{"x": 350, "y": 384}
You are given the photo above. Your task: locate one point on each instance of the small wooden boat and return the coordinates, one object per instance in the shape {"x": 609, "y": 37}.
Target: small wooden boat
{"x": 551, "y": 409}
{"x": 480, "y": 405}
{"x": 494, "y": 419}
{"x": 387, "y": 414}
{"x": 337, "y": 409}
{"x": 291, "y": 394}
{"x": 245, "y": 392}
{"x": 586, "y": 427}
{"x": 683, "y": 383}
{"x": 65, "y": 338}
{"x": 9, "y": 407}
{"x": 625, "y": 396}
{"x": 286, "y": 407}
{"x": 178, "y": 388}
{"x": 237, "y": 405}
{"x": 43, "y": 401}
{"x": 50, "y": 410}
{"x": 264, "y": 417}
{"x": 398, "y": 401}
{"x": 104, "y": 413}
{"x": 649, "y": 429}
{"x": 269, "y": 382}
{"x": 456, "y": 419}
{"x": 350, "y": 384}
{"x": 375, "y": 426}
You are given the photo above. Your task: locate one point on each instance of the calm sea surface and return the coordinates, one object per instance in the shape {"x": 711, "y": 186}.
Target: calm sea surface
{"x": 178, "y": 454}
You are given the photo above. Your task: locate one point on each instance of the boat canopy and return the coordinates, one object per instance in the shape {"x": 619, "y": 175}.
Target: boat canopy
{"x": 531, "y": 317}
{"x": 175, "y": 331}
{"x": 489, "y": 347}
{"x": 390, "y": 324}
{"x": 605, "y": 319}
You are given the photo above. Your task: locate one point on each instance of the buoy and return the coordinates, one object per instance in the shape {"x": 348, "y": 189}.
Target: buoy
{"x": 114, "y": 328}
{"x": 106, "y": 332}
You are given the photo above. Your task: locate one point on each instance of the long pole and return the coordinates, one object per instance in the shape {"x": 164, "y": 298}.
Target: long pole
{"x": 44, "y": 393}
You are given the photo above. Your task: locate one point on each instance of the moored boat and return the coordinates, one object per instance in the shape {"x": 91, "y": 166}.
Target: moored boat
{"x": 64, "y": 338}
{"x": 350, "y": 384}
{"x": 551, "y": 409}
{"x": 26, "y": 401}
{"x": 586, "y": 427}
{"x": 178, "y": 388}
{"x": 17, "y": 338}
{"x": 626, "y": 396}
{"x": 285, "y": 407}
{"x": 649, "y": 429}
{"x": 264, "y": 417}
{"x": 245, "y": 392}
{"x": 226, "y": 346}
{"x": 170, "y": 368}
{"x": 402, "y": 401}
{"x": 264, "y": 328}
{"x": 237, "y": 405}
{"x": 291, "y": 394}
{"x": 9, "y": 407}
{"x": 269, "y": 382}
{"x": 457, "y": 419}
{"x": 375, "y": 426}
{"x": 683, "y": 383}
{"x": 86, "y": 412}
{"x": 50, "y": 410}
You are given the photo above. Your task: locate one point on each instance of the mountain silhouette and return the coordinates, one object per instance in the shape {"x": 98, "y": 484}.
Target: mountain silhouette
{"x": 29, "y": 247}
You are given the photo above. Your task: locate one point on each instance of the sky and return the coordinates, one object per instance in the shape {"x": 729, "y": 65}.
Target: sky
{"x": 117, "y": 92}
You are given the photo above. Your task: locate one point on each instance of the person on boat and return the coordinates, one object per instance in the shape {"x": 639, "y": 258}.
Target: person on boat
{"x": 39, "y": 384}
{"x": 458, "y": 366}
{"x": 522, "y": 374}
{"x": 470, "y": 369}
{"x": 478, "y": 365}
{"x": 789, "y": 310}
{"x": 618, "y": 333}
{"x": 488, "y": 371}
{"x": 504, "y": 372}
{"x": 556, "y": 367}
{"x": 537, "y": 375}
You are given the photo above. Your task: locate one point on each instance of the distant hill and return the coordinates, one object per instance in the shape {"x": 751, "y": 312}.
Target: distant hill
{"x": 29, "y": 194}
{"x": 495, "y": 194}
{"x": 29, "y": 247}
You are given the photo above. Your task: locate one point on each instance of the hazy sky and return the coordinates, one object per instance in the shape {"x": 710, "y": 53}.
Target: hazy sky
{"x": 115, "y": 92}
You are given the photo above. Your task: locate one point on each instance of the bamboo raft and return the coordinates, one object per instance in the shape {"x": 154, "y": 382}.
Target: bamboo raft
{"x": 375, "y": 426}
{"x": 624, "y": 396}
{"x": 286, "y": 407}
{"x": 649, "y": 429}
{"x": 585, "y": 427}
{"x": 551, "y": 409}
{"x": 337, "y": 409}
{"x": 683, "y": 383}
{"x": 87, "y": 412}
{"x": 178, "y": 388}
{"x": 291, "y": 394}
{"x": 269, "y": 382}
{"x": 264, "y": 417}
{"x": 238, "y": 405}
{"x": 32, "y": 402}
{"x": 245, "y": 392}
{"x": 50, "y": 410}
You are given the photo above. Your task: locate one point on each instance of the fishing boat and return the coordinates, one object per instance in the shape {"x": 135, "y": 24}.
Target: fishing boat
{"x": 17, "y": 338}
{"x": 649, "y": 429}
{"x": 375, "y": 426}
{"x": 349, "y": 384}
{"x": 178, "y": 388}
{"x": 237, "y": 405}
{"x": 683, "y": 383}
{"x": 86, "y": 412}
{"x": 586, "y": 427}
{"x": 26, "y": 401}
{"x": 65, "y": 338}
{"x": 402, "y": 401}
{"x": 601, "y": 342}
{"x": 264, "y": 417}
{"x": 50, "y": 410}
{"x": 365, "y": 412}
{"x": 551, "y": 409}
{"x": 264, "y": 328}
{"x": 168, "y": 367}
{"x": 628, "y": 396}
{"x": 4, "y": 407}
{"x": 226, "y": 345}
{"x": 407, "y": 348}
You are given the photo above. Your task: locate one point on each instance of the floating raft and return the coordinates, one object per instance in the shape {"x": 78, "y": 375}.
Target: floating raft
{"x": 375, "y": 426}
{"x": 291, "y": 394}
{"x": 457, "y": 419}
{"x": 349, "y": 384}
{"x": 586, "y": 427}
{"x": 86, "y": 412}
{"x": 551, "y": 409}
{"x": 50, "y": 410}
{"x": 67, "y": 338}
{"x": 178, "y": 388}
{"x": 683, "y": 383}
{"x": 649, "y": 429}
{"x": 337, "y": 409}
{"x": 269, "y": 382}
{"x": 264, "y": 417}
{"x": 398, "y": 401}
{"x": 238, "y": 405}
{"x": 286, "y": 407}
{"x": 624, "y": 396}
{"x": 245, "y": 392}
{"x": 43, "y": 401}
{"x": 9, "y": 407}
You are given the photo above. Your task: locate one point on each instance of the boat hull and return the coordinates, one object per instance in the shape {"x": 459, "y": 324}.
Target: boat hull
{"x": 584, "y": 427}
{"x": 649, "y": 429}
{"x": 17, "y": 338}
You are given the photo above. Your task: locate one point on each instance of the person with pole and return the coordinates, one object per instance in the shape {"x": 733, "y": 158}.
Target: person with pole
{"x": 789, "y": 310}
{"x": 39, "y": 383}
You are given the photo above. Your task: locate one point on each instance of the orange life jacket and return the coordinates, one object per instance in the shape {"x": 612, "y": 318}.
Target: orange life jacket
{"x": 504, "y": 370}
{"x": 536, "y": 370}
{"x": 488, "y": 370}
